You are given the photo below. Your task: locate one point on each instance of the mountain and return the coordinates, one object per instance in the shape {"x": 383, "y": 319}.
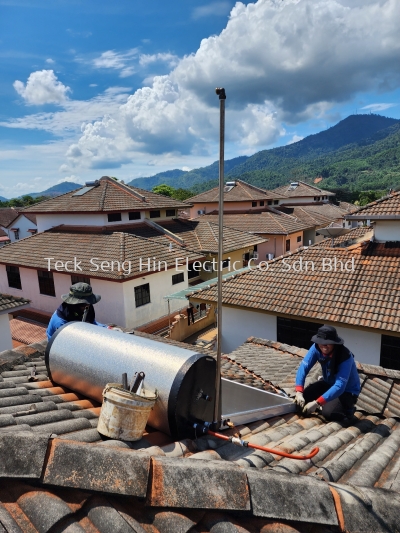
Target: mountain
{"x": 2, "y": 199}
{"x": 56, "y": 190}
{"x": 361, "y": 152}
{"x": 186, "y": 179}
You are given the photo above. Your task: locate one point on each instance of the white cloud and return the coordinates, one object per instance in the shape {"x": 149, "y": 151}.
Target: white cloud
{"x": 187, "y": 169}
{"x": 70, "y": 179}
{"x": 93, "y": 85}
{"x": 295, "y": 139}
{"x": 37, "y": 179}
{"x": 170, "y": 59}
{"x": 378, "y": 107}
{"x": 42, "y": 87}
{"x": 50, "y": 61}
{"x": 213, "y": 9}
{"x": 117, "y": 61}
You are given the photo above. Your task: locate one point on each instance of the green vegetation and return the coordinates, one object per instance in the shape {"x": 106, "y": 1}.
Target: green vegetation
{"x": 177, "y": 194}
{"x": 24, "y": 201}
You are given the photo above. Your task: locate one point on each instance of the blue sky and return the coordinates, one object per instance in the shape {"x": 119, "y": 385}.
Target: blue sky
{"x": 126, "y": 88}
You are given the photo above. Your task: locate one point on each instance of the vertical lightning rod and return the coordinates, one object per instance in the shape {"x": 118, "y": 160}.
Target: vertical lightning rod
{"x": 222, "y": 97}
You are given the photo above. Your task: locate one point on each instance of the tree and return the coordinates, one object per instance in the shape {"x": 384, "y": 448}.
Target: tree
{"x": 165, "y": 190}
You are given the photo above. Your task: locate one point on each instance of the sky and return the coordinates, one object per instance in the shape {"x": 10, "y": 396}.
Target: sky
{"x": 127, "y": 88}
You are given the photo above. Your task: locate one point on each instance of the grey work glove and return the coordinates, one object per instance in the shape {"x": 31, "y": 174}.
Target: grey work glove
{"x": 310, "y": 408}
{"x": 299, "y": 400}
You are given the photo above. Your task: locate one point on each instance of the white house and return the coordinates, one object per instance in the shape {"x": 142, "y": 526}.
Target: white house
{"x": 22, "y": 226}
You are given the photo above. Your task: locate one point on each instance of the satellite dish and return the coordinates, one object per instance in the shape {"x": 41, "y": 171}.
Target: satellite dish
{"x": 333, "y": 231}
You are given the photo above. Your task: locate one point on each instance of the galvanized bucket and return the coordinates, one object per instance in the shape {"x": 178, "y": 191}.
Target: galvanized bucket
{"x": 124, "y": 414}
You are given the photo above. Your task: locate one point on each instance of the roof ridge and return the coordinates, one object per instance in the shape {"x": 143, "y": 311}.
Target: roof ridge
{"x": 48, "y": 200}
{"x": 124, "y": 187}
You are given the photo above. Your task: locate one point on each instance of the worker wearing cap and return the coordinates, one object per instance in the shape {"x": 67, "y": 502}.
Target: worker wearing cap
{"x": 337, "y": 392}
{"x": 77, "y": 305}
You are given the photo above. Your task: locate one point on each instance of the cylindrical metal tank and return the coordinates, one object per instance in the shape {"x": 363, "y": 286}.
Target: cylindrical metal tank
{"x": 85, "y": 357}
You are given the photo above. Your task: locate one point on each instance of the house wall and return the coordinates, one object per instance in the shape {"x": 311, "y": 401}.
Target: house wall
{"x": 365, "y": 345}
{"x": 47, "y": 221}
{"x": 160, "y": 286}
{"x": 228, "y": 206}
{"x": 239, "y": 324}
{"x": 298, "y": 200}
{"x": 387, "y": 230}
{"x": 5, "y": 333}
{"x": 235, "y": 256}
{"x": 23, "y": 224}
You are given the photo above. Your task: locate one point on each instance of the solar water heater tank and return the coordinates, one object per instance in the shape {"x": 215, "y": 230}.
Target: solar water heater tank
{"x": 84, "y": 357}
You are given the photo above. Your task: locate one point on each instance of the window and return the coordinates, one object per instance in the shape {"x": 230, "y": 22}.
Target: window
{"x": 192, "y": 273}
{"x": 13, "y": 276}
{"x": 178, "y": 278}
{"x": 155, "y": 214}
{"x": 170, "y": 213}
{"x": 262, "y": 203}
{"x": 255, "y": 248}
{"x": 114, "y": 217}
{"x": 276, "y": 202}
{"x": 142, "y": 295}
{"x": 134, "y": 215}
{"x": 46, "y": 283}
{"x": 225, "y": 263}
{"x": 296, "y": 332}
{"x": 287, "y": 247}
{"x": 299, "y": 238}
{"x": 269, "y": 202}
{"x": 390, "y": 352}
{"x": 16, "y": 234}
{"x": 253, "y": 204}
{"x": 79, "y": 279}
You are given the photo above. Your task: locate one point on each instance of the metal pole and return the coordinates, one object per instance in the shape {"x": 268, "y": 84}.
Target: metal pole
{"x": 222, "y": 97}
{"x": 169, "y": 318}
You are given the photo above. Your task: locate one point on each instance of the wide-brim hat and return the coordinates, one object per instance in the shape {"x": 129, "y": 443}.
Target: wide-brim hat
{"x": 80, "y": 293}
{"x": 327, "y": 335}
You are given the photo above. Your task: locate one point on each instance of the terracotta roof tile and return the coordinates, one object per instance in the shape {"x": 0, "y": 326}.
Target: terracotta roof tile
{"x": 109, "y": 246}
{"x": 386, "y": 206}
{"x": 109, "y": 196}
{"x": 241, "y": 192}
{"x": 282, "y": 290}
{"x": 303, "y": 189}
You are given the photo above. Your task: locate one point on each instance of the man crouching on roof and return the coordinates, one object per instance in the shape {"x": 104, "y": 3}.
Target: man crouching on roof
{"x": 337, "y": 392}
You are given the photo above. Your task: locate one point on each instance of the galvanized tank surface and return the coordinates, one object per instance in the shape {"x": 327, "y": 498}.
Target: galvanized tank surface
{"x": 85, "y": 357}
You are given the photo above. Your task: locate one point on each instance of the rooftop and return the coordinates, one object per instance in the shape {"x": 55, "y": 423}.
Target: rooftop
{"x": 240, "y": 192}
{"x": 386, "y": 207}
{"x": 109, "y": 196}
{"x": 68, "y": 243}
{"x": 315, "y": 215}
{"x": 197, "y": 235}
{"x": 299, "y": 189}
{"x": 266, "y": 222}
{"x": 7, "y": 215}
{"x": 367, "y": 295}
{"x": 63, "y": 476}
{"x": 8, "y": 302}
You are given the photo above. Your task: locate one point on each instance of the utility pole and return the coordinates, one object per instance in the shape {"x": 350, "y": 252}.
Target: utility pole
{"x": 222, "y": 97}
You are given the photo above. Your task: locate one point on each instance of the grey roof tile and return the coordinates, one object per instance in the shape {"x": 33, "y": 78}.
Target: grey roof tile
{"x": 22, "y": 454}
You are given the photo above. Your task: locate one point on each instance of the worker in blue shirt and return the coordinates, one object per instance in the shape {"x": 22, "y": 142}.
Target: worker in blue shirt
{"x": 77, "y": 305}
{"x": 337, "y": 392}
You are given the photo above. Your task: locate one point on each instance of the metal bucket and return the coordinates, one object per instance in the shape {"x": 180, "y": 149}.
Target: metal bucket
{"x": 124, "y": 414}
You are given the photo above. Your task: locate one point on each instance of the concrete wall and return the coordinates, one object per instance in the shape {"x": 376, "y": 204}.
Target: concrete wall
{"x": 46, "y": 221}
{"x": 387, "y": 230}
{"x": 181, "y": 330}
{"x": 228, "y": 206}
{"x": 236, "y": 256}
{"x": 23, "y": 224}
{"x": 239, "y": 324}
{"x": 160, "y": 286}
{"x": 5, "y": 333}
{"x": 365, "y": 345}
{"x": 298, "y": 200}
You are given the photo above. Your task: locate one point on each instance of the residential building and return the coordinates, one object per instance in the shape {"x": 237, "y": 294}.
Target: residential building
{"x": 131, "y": 273}
{"x": 104, "y": 202}
{"x": 7, "y": 215}
{"x": 354, "y": 288}
{"x": 4, "y": 238}
{"x": 24, "y": 225}
{"x": 238, "y": 195}
{"x": 299, "y": 192}
{"x": 282, "y": 233}
{"x": 8, "y": 304}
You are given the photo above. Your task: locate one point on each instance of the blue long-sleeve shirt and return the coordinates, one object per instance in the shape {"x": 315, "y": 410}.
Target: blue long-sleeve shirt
{"x": 57, "y": 321}
{"x": 345, "y": 379}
